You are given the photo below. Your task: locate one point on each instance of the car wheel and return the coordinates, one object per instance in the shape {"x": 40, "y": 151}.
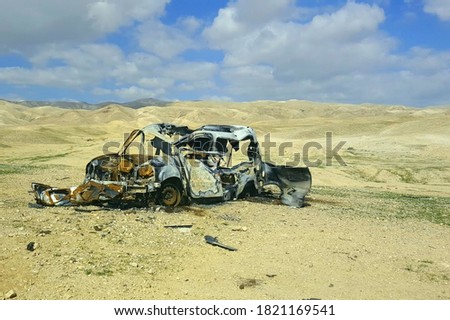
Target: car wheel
{"x": 169, "y": 195}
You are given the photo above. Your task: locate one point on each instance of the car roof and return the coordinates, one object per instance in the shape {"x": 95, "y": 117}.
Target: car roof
{"x": 167, "y": 131}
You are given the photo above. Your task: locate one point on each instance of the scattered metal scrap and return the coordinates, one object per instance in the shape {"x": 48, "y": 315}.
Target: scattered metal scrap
{"x": 176, "y": 226}
{"x": 181, "y": 165}
{"x": 213, "y": 241}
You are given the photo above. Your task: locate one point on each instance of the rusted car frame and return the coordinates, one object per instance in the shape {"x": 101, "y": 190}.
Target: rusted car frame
{"x": 171, "y": 165}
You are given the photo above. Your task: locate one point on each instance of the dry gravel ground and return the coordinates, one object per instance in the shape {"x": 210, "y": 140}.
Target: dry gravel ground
{"x": 375, "y": 229}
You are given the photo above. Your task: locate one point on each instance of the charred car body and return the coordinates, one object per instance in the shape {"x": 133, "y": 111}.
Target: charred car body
{"x": 181, "y": 165}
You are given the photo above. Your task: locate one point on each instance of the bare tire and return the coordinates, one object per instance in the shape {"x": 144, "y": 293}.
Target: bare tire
{"x": 169, "y": 195}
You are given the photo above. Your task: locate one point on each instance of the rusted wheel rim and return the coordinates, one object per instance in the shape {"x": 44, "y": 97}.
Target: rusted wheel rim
{"x": 170, "y": 196}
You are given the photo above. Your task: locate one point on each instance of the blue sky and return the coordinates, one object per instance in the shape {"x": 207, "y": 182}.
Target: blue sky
{"x": 380, "y": 51}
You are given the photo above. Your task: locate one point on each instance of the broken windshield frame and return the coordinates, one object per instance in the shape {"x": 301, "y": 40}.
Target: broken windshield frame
{"x": 133, "y": 135}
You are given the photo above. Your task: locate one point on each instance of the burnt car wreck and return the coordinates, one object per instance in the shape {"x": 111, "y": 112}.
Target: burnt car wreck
{"x": 181, "y": 165}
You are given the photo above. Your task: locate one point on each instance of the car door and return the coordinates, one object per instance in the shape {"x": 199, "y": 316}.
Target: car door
{"x": 203, "y": 180}
{"x": 200, "y": 170}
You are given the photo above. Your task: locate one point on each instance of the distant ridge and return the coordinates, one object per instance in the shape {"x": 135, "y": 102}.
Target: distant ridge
{"x": 136, "y": 104}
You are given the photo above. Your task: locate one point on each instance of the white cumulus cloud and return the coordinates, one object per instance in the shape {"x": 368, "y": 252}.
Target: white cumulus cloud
{"x": 69, "y": 67}
{"x": 441, "y": 8}
{"x": 337, "y": 55}
{"x": 245, "y": 16}
{"x": 163, "y": 40}
{"x": 25, "y": 24}
{"x": 108, "y": 15}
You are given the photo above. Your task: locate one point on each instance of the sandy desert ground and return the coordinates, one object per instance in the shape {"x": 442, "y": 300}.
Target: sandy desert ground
{"x": 377, "y": 228}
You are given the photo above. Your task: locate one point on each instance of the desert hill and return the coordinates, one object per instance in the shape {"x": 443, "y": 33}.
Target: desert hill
{"x": 88, "y": 106}
{"x": 383, "y": 143}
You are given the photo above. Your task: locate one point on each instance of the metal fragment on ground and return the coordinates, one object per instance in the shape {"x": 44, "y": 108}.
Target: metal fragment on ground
{"x": 215, "y": 242}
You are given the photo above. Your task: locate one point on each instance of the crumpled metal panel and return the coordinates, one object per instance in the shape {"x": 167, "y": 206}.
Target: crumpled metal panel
{"x": 86, "y": 193}
{"x": 294, "y": 182}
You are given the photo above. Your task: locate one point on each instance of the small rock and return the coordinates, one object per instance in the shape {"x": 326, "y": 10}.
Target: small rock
{"x": 32, "y": 246}
{"x": 240, "y": 229}
{"x": 10, "y": 294}
{"x": 43, "y": 233}
{"x": 98, "y": 227}
{"x": 134, "y": 264}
